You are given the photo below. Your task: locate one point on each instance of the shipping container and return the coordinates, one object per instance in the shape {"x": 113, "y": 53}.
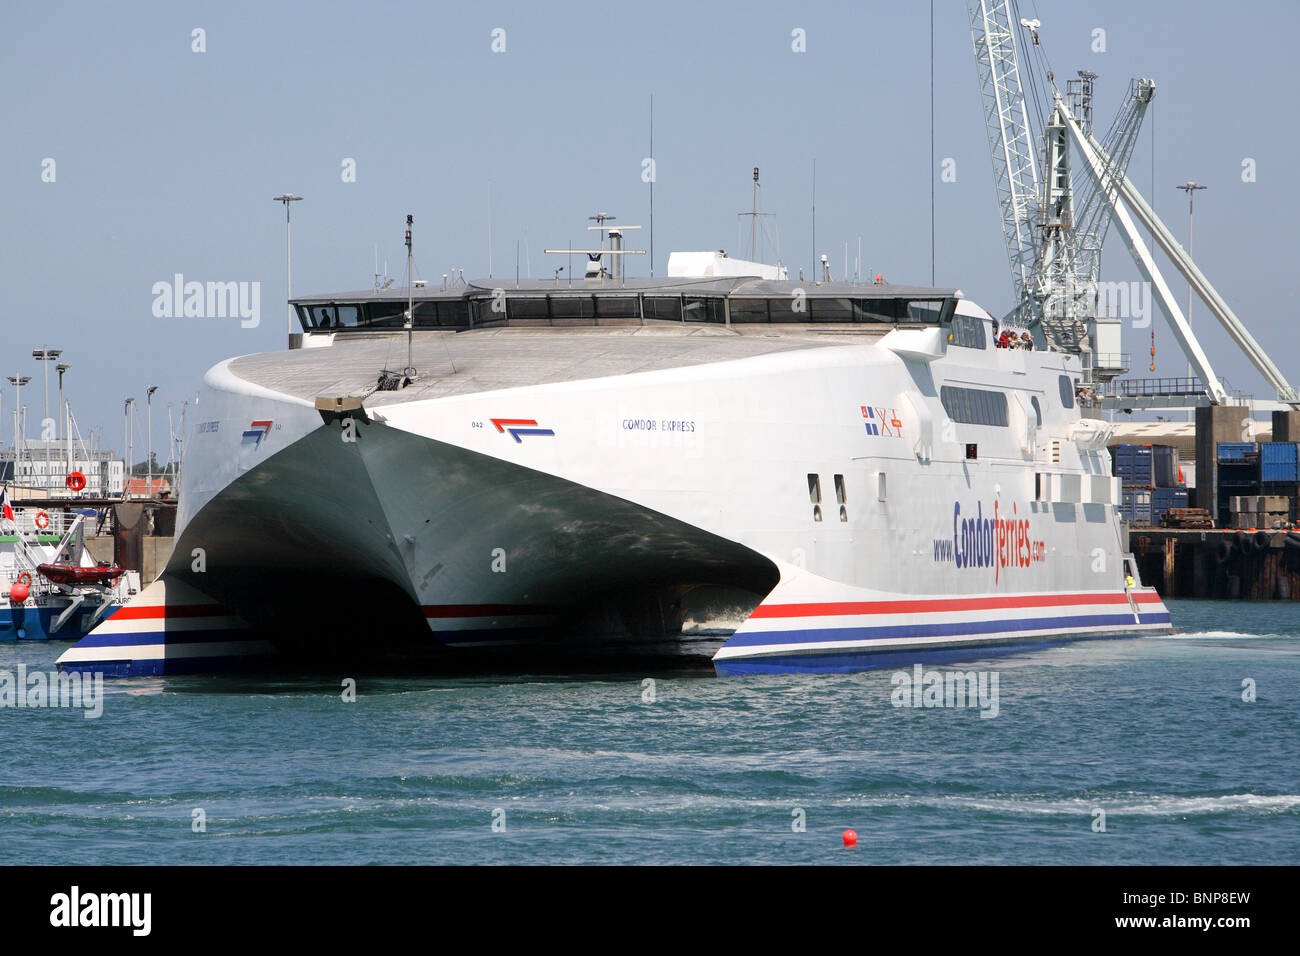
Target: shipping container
{"x": 1278, "y": 461}
{"x": 1136, "y": 507}
{"x": 1134, "y": 465}
{"x": 1163, "y": 499}
{"x": 1237, "y": 450}
{"x": 1165, "y": 460}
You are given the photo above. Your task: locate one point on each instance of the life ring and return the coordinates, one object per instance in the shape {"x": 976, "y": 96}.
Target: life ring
{"x": 76, "y": 481}
{"x": 25, "y": 578}
{"x": 42, "y": 520}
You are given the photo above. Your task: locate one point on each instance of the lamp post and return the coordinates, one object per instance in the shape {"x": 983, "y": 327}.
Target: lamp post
{"x": 1190, "y": 188}
{"x": 45, "y": 356}
{"x": 287, "y": 198}
{"x": 149, "y": 415}
{"x": 128, "y": 439}
{"x": 63, "y": 415}
{"x": 18, "y": 381}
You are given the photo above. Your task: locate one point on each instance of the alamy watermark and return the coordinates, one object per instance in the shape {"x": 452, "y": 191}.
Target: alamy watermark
{"x": 210, "y": 300}
{"x": 64, "y": 689}
{"x": 1125, "y": 300}
{"x": 955, "y": 689}
{"x": 133, "y": 911}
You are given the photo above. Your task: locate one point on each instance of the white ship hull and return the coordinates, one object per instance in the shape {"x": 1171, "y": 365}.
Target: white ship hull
{"x": 826, "y": 486}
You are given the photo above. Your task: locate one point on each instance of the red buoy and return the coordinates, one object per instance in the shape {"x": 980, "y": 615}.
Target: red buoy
{"x": 850, "y": 838}
{"x": 18, "y": 593}
{"x": 76, "y": 481}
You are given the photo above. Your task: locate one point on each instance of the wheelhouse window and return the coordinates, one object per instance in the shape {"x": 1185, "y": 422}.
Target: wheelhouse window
{"x": 788, "y": 308}
{"x": 703, "y": 309}
{"x": 749, "y": 310}
{"x": 974, "y": 406}
{"x": 527, "y": 307}
{"x": 481, "y": 313}
{"x": 618, "y": 307}
{"x": 878, "y": 310}
{"x": 442, "y": 313}
{"x": 830, "y": 310}
{"x": 332, "y": 316}
{"x": 572, "y": 310}
{"x": 931, "y": 310}
{"x": 665, "y": 308}
{"x": 385, "y": 315}
{"x": 927, "y": 311}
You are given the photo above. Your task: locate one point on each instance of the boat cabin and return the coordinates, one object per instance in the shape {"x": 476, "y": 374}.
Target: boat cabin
{"x": 707, "y": 301}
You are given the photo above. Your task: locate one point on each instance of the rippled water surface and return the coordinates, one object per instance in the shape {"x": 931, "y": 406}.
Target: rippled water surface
{"x": 586, "y": 769}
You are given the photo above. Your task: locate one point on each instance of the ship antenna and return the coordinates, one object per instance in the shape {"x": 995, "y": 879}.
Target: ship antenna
{"x": 409, "y": 371}
{"x": 753, "y": 222}
{"x": 652, "y": 185}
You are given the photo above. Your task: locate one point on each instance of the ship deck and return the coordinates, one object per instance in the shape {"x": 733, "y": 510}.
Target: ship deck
{"x": 499, "y": 358}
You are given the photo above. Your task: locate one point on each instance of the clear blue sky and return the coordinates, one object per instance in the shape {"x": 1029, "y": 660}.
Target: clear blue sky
{"x": 167, "y": 159}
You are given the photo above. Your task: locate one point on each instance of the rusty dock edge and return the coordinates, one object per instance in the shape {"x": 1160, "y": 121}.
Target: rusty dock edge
{"x": 1253, "y": 565}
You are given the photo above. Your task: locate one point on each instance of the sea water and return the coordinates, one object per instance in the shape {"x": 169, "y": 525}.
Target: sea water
{"x": 1171, "y": 750}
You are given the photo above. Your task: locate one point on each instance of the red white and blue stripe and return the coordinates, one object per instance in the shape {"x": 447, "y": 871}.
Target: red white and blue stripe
{"x": 853, "y": 635}
{"x": 169, "y": 628}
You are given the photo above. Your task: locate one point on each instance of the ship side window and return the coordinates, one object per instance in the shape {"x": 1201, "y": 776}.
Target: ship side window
{"x": 840, "y": 496}
{"x": 664, "y": 307}
{"x": 1067, "y": 391}
{"x": 968, "y": 332}
{"x": 1038, "y": 410}
{"x": 974, "y": 406}
{"x": 815, "y": 489}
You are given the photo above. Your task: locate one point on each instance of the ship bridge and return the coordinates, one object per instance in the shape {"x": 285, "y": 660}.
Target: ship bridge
{"x": 721, "y": 301}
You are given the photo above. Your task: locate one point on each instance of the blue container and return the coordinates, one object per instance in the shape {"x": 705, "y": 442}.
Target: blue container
{"x": 1236, "y": 450}
{"x": 1134, "y": 464}
{"x": 1162, "y": 499}
{"x": 1135, "y": 506}
{"x": 1278, "y": 461}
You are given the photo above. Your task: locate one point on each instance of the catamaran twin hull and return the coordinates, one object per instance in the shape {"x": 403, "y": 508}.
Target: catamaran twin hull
{"x": 856, "y": 501}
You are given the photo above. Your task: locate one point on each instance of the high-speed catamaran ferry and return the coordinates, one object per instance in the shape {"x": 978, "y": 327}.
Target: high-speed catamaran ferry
{"x": 849, "y": 474}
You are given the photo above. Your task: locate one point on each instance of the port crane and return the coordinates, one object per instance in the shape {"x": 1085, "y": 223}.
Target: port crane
{"x": 1054, "y": 226}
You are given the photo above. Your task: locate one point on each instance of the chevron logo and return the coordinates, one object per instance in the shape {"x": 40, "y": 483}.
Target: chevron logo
{"x": 517, "y": 428}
